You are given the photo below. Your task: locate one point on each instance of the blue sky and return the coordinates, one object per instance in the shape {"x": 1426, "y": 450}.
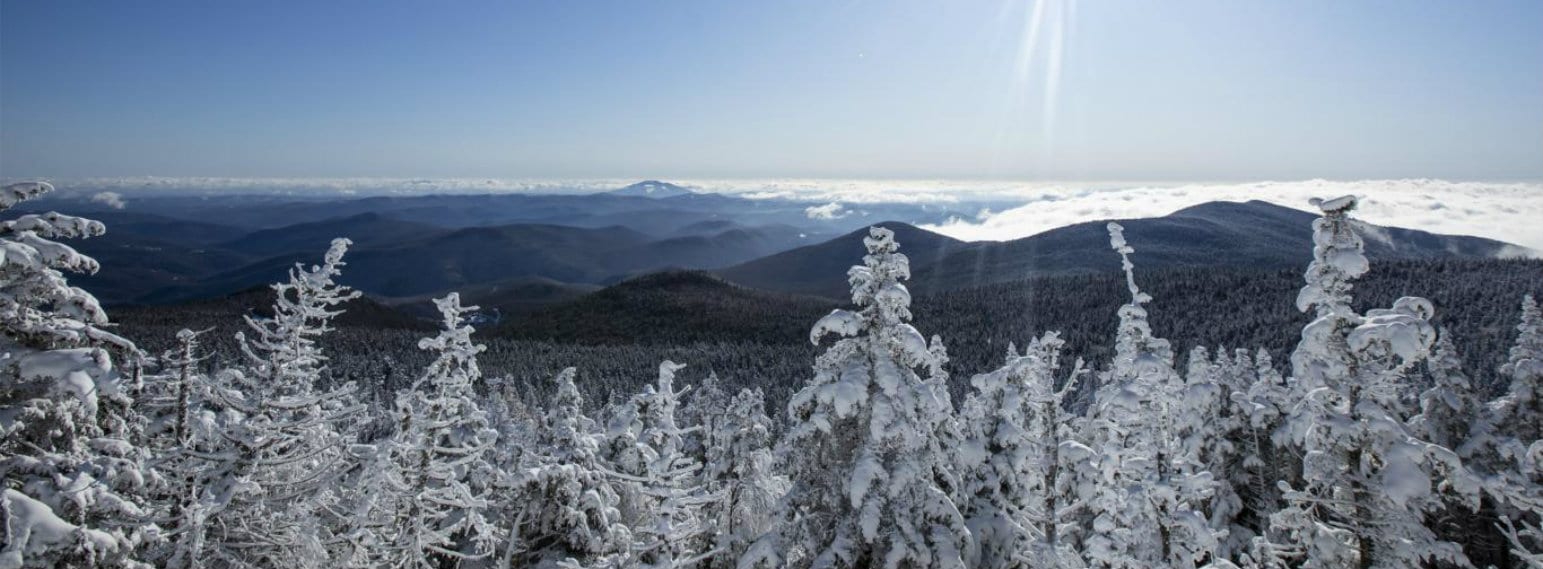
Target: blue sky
{"x": 1108, "y": 90}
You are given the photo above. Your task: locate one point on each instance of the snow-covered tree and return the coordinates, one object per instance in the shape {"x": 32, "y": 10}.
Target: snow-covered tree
{"x": 871, "y": 482}
{"x": 1147, "y": 490}
{"x": 271, "y": 485}
{"x": 568, "y": 504}
{"x": 1366, "y": 483}
{"x": 438, "y": 476}
{"x": 1449, "y": 406}
{"x": 1514, "y": 422}
{"x": 1506, "y": 446}
{"x": 1017, "y": 484}
{"x": 669, "y": 532}
{"x": 740, "y": 471}
{"x": 1257, "y": 402}
{"x": 74, "y": 482}
{"x": 1208, "y": 427}
{"x": 705, "y": 408}
{"x": 179, "y": 436}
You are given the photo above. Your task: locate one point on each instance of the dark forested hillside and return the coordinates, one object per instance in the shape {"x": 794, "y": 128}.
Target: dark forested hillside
{"x": 1252, "y": 234}
{"x": 684, "y": 315}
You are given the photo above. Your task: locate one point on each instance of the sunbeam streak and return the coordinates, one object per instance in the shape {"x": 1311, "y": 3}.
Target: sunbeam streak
{"x": 1027, "y": 132}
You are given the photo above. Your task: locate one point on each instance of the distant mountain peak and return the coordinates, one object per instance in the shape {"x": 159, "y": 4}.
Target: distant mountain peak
{"x": 652, "y": 189}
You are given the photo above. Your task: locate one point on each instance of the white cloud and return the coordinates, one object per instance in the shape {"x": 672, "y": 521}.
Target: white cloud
{"x": 832, "y": 210}
{"x": 110, "y": 199}
{"x": 1508, "y": 212}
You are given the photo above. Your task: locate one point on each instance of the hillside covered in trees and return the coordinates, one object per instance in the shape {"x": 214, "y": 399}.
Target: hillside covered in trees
{"x": 1206, "y": 418}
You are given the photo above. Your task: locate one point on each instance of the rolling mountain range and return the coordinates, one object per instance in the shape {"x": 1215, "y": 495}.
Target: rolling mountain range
{"x": 1216, "y": 234}
{"x": 516, "y": 252}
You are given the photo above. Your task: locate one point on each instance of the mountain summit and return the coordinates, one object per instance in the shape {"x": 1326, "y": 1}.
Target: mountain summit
{"x": 652, "y": 189}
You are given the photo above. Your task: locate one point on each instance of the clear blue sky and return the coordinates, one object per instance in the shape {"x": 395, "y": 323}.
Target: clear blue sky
{"x": 1108, "y": 90}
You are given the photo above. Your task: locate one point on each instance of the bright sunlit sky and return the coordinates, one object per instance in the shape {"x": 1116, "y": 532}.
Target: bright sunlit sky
{"x": 1108, "y": 90}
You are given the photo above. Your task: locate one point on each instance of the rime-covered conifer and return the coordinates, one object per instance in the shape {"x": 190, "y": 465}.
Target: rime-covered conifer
{"x": 75, "y": 483}
{"x": 284, "y": 437}
{"x": 438, "y": 476}
{"x": 1146, "y": 490}
{"x": 1016, "y": 483}
{"x": 1366, "y": 483}
{"x": 568, "y": 508}
{"x": 740, "y": 471}
{"x": 1506, "y": 447}
{"x": 871, "y": 482}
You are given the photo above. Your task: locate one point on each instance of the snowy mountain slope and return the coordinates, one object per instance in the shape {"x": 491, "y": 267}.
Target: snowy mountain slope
{"x": 652, "y": 189}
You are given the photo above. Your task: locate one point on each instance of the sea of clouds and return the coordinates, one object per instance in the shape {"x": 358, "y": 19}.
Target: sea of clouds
{"x": 1511, "y": 212}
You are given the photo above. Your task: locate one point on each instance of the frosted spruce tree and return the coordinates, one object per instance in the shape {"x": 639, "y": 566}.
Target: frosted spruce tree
{"x": 1449, "y": 405}
{"x": 181, "y": 436}
{"x": 568, "y": 503}
{"x": 740, "y": 472}
{"x": 703, "y": 411}
{"x": 75, "y": 483}
{"x": 1017, "y": 461}
{"x": 871, "y": 482}
{"x": 1366, "y": 483}
{"x": 272, "y": 485}
{"x": 438, "y": 476}
{"x": 1506, "y": 447}
{"x": 1145, "y": 492}
{"x": 1257, "y": 402}
{"x": 670, "y": 532}
{"x": 1207, "y": 426}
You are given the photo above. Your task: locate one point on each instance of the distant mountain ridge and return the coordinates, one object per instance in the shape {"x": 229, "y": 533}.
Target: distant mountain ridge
{"x": 1214, "y": 234}
{"x": 652, "y": 189}
{"x": 408, "y": 247}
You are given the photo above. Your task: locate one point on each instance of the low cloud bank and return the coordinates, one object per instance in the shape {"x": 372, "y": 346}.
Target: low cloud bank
{"x": 1507, "y": 212}
{"x": 110, "y": 199}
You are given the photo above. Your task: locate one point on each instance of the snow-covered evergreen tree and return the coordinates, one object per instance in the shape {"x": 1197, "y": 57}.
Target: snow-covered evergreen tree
{"x": 74, "y": 482}
{"x": 179, "y": 436}
{"x": 568, "y": 510}
{"x": 1016, "y": 484}
{"x": 705, "y": 408}
{"x": 1146, "y": 490}
{"x": 669, "y": 532}
{"x": 1506, "y": 446}
{"x": 272, "y": 484}
{"x": 740, "y": 471}
{"x": 871, "y": 482}
{"x": 1449, "y": 406}
{"x": 1206, "y": 426}
{"x": 438, "y": 475}
{"x": 1366, "y": 482}
{"x": 1260, "y": 466}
